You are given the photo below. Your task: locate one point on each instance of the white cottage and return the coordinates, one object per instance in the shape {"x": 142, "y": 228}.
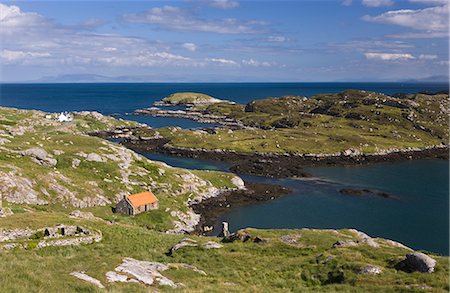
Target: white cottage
{"x": 64, "y": 117}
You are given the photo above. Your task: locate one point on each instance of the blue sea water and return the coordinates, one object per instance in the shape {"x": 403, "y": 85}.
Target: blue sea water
{"x": 417, "y": 216}
{"x": 109, "y": 98}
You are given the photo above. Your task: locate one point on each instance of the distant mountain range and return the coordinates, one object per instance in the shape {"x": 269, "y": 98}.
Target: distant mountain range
{"x": 91, "y": 78}
{"x": 87, "y": 78}
{"x": 434, "y": 78}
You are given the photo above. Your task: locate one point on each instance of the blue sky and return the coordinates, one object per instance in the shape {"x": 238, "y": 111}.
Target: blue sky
{"x": 225, "y": 40}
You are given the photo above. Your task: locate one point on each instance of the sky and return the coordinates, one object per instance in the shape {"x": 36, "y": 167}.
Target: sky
{"x": 225, "y": 40}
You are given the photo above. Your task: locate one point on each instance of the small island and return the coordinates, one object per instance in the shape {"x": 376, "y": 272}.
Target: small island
{"x": 188, "y": 99}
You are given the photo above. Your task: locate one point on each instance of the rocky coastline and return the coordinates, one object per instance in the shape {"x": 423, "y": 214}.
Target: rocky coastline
{"x": 192, "y": 115}
{"x": 211, "y": 208}
{"x": 285, "y": 165}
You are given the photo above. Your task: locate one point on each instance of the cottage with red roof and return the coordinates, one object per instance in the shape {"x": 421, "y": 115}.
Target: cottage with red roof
{"x": 137, "y": 203}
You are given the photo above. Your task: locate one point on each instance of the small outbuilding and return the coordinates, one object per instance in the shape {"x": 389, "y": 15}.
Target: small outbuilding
{"x": 137, "y": 203}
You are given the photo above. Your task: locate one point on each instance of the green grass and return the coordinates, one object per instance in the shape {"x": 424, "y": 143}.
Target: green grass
{"x": 122, "y": 172}
{"x": 237, "y": 267}
{"x": 325, "y": 124}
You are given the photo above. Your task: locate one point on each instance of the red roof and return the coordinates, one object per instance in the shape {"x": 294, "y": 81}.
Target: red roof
{"x": 142, "y": 198}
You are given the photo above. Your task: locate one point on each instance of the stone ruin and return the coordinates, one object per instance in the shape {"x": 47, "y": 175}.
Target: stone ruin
{"x": 59, "y": 235}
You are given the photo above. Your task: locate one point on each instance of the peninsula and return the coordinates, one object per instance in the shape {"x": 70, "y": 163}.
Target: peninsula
{"x": 275, "y": 136}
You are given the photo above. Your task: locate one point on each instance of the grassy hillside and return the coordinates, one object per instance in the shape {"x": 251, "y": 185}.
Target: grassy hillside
{"x": 48, "y": 169}
{"x": 48, "y": 165}
{"x": 325, "y": 124}
{"x": 306, "y": 264}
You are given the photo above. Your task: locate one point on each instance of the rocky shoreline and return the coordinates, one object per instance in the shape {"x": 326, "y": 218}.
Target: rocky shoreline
{"x": 192, "y": 115}
{"x": 210, "y": 209}
{"x": 285, "y": 165}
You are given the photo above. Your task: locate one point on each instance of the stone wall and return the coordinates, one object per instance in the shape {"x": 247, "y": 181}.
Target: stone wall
{"x": 124, "y": 207}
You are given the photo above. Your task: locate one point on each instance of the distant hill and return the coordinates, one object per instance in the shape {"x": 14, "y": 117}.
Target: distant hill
{"x": 433, "y": 78}
{"x": 89, "y": 78}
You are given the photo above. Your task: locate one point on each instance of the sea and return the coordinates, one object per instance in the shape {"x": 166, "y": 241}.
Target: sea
{"x": 416, "y": 215}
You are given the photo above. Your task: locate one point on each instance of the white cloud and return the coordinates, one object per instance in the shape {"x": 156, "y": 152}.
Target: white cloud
{"x": 368, "y": 45}
{"x": 13, "y": 19}
{"x": 432, "y": 20}
{"x": 399, "y": 56}
{"x": 91, "y": 23}
{"x": 224, "y": 4}
{"x": 109, "y": 49}
{"x": 277, "y": 39}
{"x": 389, "y": 56}
{"x": 222, "y": 61}
{"x": 444, "y": 62}
{"x": 430, "y": 2}
{"x": 419, "y": 35}
{"x": 31, "y": 39}
{"x": 377, "y": 3}
{"x": 190, "y": 46}
{"x": 346, "y": 2}
{"x": 427, "y": 57}
{"x": 178, "y": 19}
{"x": 256, "y": 63}
{"x": 14, "y": 56}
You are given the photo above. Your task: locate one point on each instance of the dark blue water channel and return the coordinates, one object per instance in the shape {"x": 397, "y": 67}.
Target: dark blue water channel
{"x": 416, "y": 215}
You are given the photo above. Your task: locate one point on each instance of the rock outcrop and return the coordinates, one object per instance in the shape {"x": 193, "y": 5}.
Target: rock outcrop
{"x": 419, "y": 262}
{"x": 87, "y": 278}
{"x": 370, "y": 270}
{"x": 40, "y": 156}
{"x": 183, "y": 243}
{"x": 148, "y": 273}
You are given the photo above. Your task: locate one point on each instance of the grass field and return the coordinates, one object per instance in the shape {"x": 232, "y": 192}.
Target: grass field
{"x": 310, "y": 265}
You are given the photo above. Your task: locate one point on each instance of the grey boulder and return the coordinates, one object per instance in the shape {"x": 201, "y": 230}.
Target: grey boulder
{"x": 420, "y": 262}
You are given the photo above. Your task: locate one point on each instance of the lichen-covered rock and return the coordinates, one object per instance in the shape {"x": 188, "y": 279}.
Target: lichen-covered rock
{"x": 77, "y": 214}
{"x": 17, "y": 189}
{"x": 183, "y": 243}
{"x": 370, "y": 270}
{"x": 145, "y": 272}
{"x": 238, "y": 182}
{"x": 365, "y": 239}
{"x": 87, "y": 278}
{"x": 290, "y": 239}
{"x": 420, "y": 262}
{"x": 14, "y": 234}
{"x": 212, "y": 245}
{"x": 40, "y": 156}
{"x": 344, "y": 243}
{"x": 75, "y": 163}
{"x": 93, "y": 157}
{"x": 396, "y": 244}
{"x": 115, "y": 277}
